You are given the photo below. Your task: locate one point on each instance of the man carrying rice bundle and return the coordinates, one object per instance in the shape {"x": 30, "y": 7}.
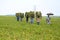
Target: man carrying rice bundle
{"x": 31, "y": 17}
{"x": 17, "y": 15}
{"x": 38, "y": 17}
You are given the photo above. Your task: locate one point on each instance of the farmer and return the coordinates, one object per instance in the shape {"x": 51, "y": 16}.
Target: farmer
{"x": 27, "y": 16}
{"x": 38, "y": 17}
{"x": 21, "y": 16}
{"x": 31, "y": 17}
{"x": 48, "y": 19}
{"x": 38, "y": 20}
{"x": 17, "y": 15}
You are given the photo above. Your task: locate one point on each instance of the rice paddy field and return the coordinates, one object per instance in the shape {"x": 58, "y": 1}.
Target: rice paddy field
{"x": 10, "y": 29}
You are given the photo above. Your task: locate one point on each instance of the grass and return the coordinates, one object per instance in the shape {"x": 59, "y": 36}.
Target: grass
{"x": 10, "y": 29}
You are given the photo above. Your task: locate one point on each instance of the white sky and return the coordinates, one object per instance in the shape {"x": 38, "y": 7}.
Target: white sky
{"x": 45, "y": 6}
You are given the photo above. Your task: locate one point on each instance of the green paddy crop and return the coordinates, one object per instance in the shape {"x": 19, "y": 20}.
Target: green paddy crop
{"x": 10, "y": 29}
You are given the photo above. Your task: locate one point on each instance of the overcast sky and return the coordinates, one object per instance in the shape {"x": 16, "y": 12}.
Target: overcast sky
{"x": 45, "y": 6}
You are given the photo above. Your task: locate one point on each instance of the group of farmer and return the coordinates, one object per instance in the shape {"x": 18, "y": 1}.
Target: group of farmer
{"x": 31, "y": 15}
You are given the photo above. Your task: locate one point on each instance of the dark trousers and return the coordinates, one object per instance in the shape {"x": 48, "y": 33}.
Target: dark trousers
{"x": 17, "y": 18}
{"x": 26, "y": 19}
{"x": 38, "y": 23}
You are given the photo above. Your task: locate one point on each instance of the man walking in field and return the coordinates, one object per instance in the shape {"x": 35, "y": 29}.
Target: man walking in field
{"x": 31, "y": 17}
{"x": 48, "y": 19}
{"x": 38, "y": 17}
{"x": 38, "y": 20}
{"x": 27, "y": 16}
{"x": 21, "y": 16}
{"x": 17, "y": 15}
